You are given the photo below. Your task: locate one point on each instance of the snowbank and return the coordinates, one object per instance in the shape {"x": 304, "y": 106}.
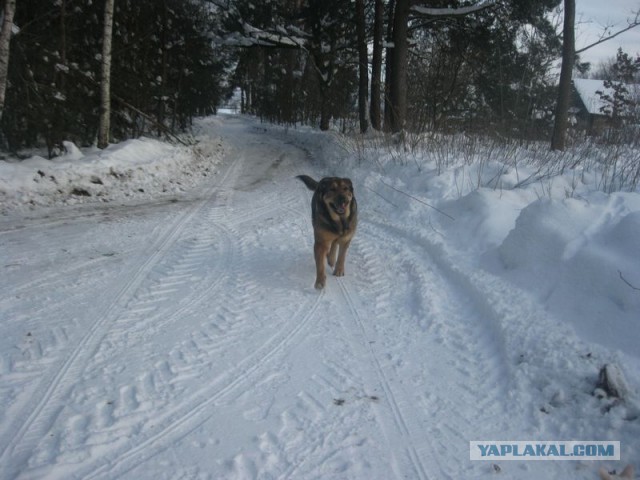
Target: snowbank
{"x": 141, "y": 169}
{"x": 582, "y": 261}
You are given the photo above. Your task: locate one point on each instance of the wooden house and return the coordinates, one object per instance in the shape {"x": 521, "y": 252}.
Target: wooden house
{"x": 591, "y": 112}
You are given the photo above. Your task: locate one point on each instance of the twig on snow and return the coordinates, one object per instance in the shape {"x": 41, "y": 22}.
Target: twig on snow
{"x": 418, "y": 200}
{"x": 627, "y": 281}
{"x": 382, "y": 197}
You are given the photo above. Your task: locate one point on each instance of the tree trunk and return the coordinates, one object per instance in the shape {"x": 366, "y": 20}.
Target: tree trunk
{"x": 388, "y": 68}
{"x": 5, "y": 40}
{"x": 398, "y": 80}
{"x": 363, "y": 63}
{"x": 162, "y": 89}
{"x": 376, "y": 66}
{"x": 105, "y": 87}
{"x": 325, "y": 110}
{"x": 564, "y": 90}
{"x": 60, "y": 80}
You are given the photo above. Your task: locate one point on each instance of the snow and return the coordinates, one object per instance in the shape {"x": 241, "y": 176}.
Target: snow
{"x": 164, "y": 323}
{"x": 137, "y": 168}
{"x": 451, "y": 11}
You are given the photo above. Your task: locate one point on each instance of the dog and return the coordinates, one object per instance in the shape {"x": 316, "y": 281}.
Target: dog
{"x": 627, "y": 474}
{"x": 334, "y": 215}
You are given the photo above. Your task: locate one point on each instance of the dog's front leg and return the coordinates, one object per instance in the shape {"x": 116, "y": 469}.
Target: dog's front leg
{"x": 320, "y": 250}
{"x": 342, "y": 255}
{"x": 333, "y": 251}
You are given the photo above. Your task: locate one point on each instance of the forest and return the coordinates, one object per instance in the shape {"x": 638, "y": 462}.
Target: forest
{"x": 482, "y": 66}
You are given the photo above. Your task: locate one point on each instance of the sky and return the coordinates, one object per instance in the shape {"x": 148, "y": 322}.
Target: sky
{"x": 592, "y": 16}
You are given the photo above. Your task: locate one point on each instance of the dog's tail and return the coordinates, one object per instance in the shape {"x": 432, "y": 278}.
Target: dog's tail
{"x": 309, "y": 182}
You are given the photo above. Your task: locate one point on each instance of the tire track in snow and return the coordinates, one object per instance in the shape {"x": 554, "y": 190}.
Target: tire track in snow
{"x": 36, "y": 417}
{"x": 180, "y": 287}
{"x": 177, "y": 422}
{"x": 55, "y": 279}
{"x": 405, "y": 439}
{"x": 44, "y": 277}
{"x": 188, "y": 360}
{"x": 462, "y": 348}
{"x": 234, "y": 318}
{"x": 147, "y": 312}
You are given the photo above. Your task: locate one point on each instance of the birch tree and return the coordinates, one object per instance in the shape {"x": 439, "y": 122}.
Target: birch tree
{"x": 376, "y": 66}
{"x": 9, "y": 8}
{"x": 104, "y": 127}
{"x": 363, "y": 66}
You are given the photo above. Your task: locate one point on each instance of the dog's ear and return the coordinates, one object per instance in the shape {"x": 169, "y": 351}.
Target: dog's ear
{"x": 349, "y": 183}
{"x": 627, "y": 474}
{"x": 604, "y": 475}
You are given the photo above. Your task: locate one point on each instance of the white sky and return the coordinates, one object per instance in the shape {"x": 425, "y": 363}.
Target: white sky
{"x": 592, "y": 16}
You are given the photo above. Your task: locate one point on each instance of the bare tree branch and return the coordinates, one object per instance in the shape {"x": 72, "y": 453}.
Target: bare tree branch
{"x": 632, "y": 24}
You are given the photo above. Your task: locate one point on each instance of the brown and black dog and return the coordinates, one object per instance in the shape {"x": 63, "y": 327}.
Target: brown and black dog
{"x": 334, "y": 215}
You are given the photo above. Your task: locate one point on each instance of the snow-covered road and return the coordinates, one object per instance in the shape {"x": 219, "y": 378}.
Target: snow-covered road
{"x": 183, "y": 339}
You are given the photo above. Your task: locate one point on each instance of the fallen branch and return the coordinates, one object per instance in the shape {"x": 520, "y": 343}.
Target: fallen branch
{"x": 166, "y": 130}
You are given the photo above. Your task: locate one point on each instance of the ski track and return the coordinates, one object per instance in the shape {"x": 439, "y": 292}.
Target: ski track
{"x": 89, "y": 416}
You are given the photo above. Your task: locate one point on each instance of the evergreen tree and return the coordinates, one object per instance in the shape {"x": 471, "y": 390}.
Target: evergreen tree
{"x": 620, "y": 97}
{"x": 165, "y": 69}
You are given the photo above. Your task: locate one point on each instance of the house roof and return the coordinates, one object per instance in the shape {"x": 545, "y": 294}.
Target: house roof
{"x": 592, "y": 101}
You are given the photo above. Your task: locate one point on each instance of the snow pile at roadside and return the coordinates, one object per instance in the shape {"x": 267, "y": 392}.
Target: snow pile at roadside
{"x": 582, "y": 260}
{"x": 578, "y": 256}
{"x": 141, "y": 168}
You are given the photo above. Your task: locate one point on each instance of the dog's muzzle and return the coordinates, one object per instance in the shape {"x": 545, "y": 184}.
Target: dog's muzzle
{"x": 340, "y": 206}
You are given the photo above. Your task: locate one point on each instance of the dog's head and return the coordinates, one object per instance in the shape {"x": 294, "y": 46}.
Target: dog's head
{"x": 337, "y": 194}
